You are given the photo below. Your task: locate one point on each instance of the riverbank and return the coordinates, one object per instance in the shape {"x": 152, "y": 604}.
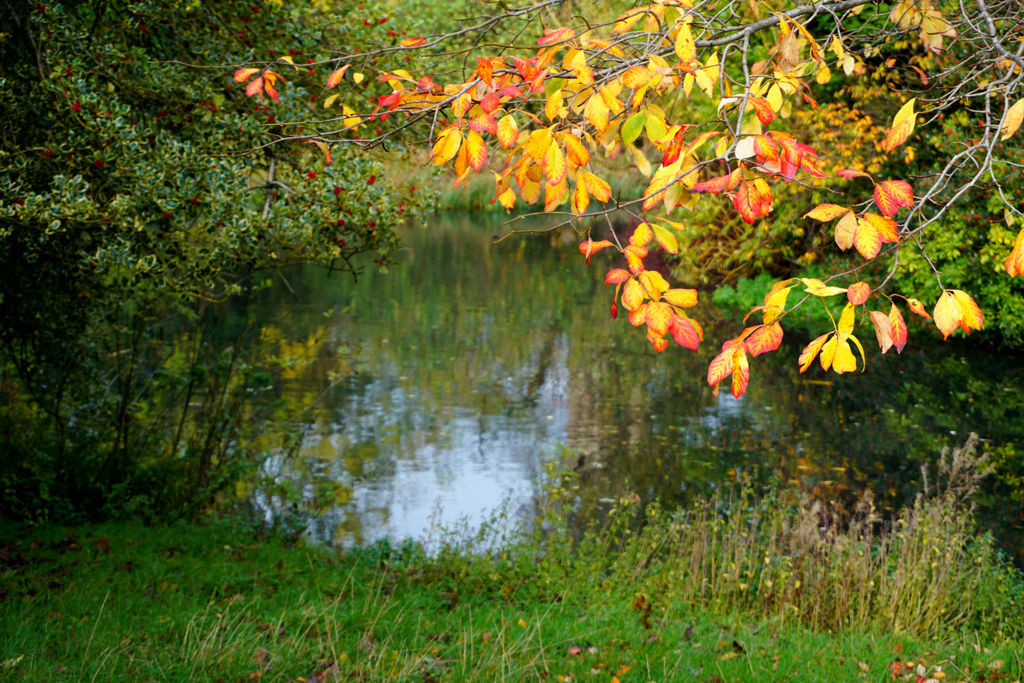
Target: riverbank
{"x": 776, "y": 588}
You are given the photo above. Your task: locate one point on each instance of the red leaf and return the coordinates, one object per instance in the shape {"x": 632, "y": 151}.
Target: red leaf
{"x": 850, "y": 173}
{"x": 764, "y": 338}
{"x": 763, "y": 109}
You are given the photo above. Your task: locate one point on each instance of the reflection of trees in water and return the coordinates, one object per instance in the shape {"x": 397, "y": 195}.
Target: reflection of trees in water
{"x": 464, "y": 353}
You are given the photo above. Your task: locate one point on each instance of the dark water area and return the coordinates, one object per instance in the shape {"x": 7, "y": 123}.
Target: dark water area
{"x": 454, "y": 382}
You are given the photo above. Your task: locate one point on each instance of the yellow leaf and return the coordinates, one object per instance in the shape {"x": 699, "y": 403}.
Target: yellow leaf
{"x": 1013, "y": 118}
{"x": 846, "y": 230}
{"x": 357, "y": 77}
{"x": 686, "y": 48}
{"x": 598, "y": 188}
{"x": 902, "y": 126}
{"x": 538, "y": 143}
{"x": 666, "y": 239}
{"x": 580, "y": 198}
{"x": 846, "y": 319}
{"x": 446, "y": 146}
{"x": 508, "y": 131}
{"x": 554, "y": 164}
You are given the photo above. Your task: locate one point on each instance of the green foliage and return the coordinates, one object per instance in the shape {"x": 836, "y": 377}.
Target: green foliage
{"x": 127, "y": 207}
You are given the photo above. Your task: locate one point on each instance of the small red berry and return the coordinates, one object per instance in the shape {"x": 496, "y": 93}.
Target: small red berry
{"x": 47, "y": 152}
{"x": 337, "y": 191}
{"x": 311, "y": 175}
{"x": 371, "y": 180}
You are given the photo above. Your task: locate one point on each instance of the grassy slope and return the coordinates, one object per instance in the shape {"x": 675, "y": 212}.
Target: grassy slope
{"x": 129, "y": 602}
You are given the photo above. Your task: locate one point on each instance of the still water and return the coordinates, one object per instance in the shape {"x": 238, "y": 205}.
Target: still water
{"x": 439, "y": 390}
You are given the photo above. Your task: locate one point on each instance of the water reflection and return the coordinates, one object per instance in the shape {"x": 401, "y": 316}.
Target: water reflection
{"x": 445, "y": 386}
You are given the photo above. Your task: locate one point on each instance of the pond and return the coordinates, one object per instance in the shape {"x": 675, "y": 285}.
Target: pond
{"x": 454, "y": 382}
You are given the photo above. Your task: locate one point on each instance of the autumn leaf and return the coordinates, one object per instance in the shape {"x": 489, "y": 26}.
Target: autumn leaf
{"x": 476, "y": 150}
{"x": 335, "y": 78}
{"x": 684, "y": 298}
{"x": 447, "y": 146}
{"x": 1014, "y": 263}
{"x": 764, "y": 338}
{"x": 687, "y": 332}
{"x": 897, "y": 329}
{"x": 826, "y": 212}
{"x": 632, "y": 295}
{"x": 902, "y": 127}
{"x": 508, "y": 131}
{"x": 917, "y": 307}
{"x": 666, "y": 240}
{"x": 413, "y": 42}
{"x": 244, "y": 74}
{"x": 890, "y": 195}
{"x": 616, "y": 276}
{"x": 883, "y": 329}
{"x": 685, "y": 47}
{"x": 858, "y": 292}
{"x": 599, "y": 188}
{"x": 1011, "y": 120}
{"x": 589, "y": 247}
{"x": 956, "y": 308}
{"x": 556, "y": 35}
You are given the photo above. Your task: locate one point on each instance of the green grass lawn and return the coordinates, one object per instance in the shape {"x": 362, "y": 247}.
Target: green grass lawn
{"x": 218, "y": 602}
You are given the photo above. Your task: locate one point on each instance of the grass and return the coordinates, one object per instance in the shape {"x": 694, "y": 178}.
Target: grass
{"x": 734, "y": 588}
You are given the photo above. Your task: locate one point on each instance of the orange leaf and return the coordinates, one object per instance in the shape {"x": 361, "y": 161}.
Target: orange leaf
{"x": 747, "y": 202}
{"x": 538, "y": 143}
{"x": 335, "y": 78}
{"x": 719, "y": 184}
{"x": 902, "y": 127}
{"x": 890, "y": 195}
{"x": 556, "y": 35}
{"x": 721, "y": 366}
{"x": 764, "y": 111}
{"x": 764, "y": 338}
{"x": 577, "y": 154}
{"x": 638, "y": 315}
{"x": 826, "y": 212}
{"x": 244, "y": 74}
{"x": 413, "y": 42}
{"x": 446, "y": 146}
{"x": 1014, "y": 263}
{"x": 867, "y": 240}
{"x": 917, "y": 307}
{"x": 659, "y": 317}
{"x": 897, "y": 329}
{"x": 740, "y": 372}
{"x": 580, "y": 198}
{"x": 858, "y": 293}
{"x": 811, "y": 351}
{"x": 687, "y": 332}
{"x": 616, "y": 276}
{"x": 254, "y": 86}
{"x": 589, "y": 247}
{"x": 635, "y": 258}
{"x": 484, "y": 124}
{"x": 659, "y": 344}
{"x": 851, "y": 173}
{"x": 885, "y": 226}
{"x": 637, "y": 76}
